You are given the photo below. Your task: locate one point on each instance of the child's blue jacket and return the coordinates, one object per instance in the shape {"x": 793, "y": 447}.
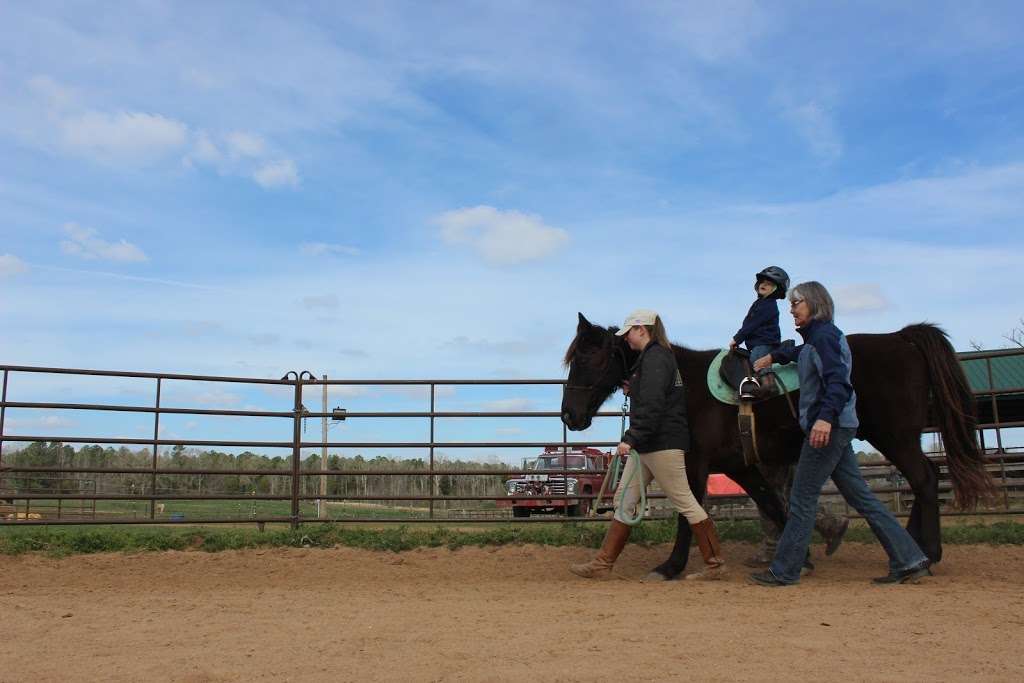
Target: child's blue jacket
{"x": 761, "y": 325}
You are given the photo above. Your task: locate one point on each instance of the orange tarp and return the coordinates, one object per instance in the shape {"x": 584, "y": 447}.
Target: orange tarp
{"x": 721, "y": 485}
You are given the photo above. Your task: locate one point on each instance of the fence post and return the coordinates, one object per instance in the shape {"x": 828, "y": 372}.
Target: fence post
{"x": 433, "y": 479}
{"x": 296, "y": 450}
{"x": 156, "y": 449}
{"x": 3, "y": 414}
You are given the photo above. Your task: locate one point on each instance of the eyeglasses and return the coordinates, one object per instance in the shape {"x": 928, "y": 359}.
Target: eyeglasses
{"x": 793, "y": 303}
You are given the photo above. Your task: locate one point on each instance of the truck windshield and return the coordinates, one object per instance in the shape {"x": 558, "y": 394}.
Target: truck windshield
{"x": 554, "y": 462}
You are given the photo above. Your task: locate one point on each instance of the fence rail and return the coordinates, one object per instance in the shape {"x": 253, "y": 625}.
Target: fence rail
{"x": 21, "y": 503}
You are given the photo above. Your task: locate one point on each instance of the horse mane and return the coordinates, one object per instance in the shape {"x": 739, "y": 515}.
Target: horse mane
{"x": 571, "y": 351}
{"x": 677, "y": 348}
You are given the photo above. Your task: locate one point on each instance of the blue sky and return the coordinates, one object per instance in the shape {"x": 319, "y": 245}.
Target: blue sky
{"x": 435, "y": 189}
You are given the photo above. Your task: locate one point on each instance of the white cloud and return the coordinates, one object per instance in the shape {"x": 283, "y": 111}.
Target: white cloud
{"x": 324, "y": 249}
{"x": 56, "y": 95}
{"x": 11, "y": 265}
{"x": 246, "y": 144}
{"x": 85, "y": 243}
{"x": 814, "y": 123}
{"x": 42, "y": 422}
{"x": 860, "y": 298}
{"x": 713, "y": 32}
{"x": 501, "y": 237}
{"x": 205, "y": 151}
{"x": 241, "y": 153}
{"x": 122, "y": 137}
{"x": 273, "y": 174}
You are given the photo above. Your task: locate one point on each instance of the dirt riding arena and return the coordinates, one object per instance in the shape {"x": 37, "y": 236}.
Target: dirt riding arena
{"x": 512, "y": 613}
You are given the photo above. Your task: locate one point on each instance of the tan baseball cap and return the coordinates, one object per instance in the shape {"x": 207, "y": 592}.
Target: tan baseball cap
{"x": 641, "y": 316}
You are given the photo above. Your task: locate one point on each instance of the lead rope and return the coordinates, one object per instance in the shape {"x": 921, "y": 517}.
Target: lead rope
{"x": 612, "y": 473}
{"x": 632, "y": 519}
{"x": 638, "y": 514}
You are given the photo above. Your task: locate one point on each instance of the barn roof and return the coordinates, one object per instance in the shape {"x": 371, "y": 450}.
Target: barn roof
{"x": 1007, "y": 370}
{"x": 1006, "y": 400}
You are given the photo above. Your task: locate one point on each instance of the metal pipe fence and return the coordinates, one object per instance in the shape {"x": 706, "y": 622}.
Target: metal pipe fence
{"x": 22, "y": 499}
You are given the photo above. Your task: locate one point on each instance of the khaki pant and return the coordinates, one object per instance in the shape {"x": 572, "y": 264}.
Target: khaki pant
{"x": 668, "y": 468}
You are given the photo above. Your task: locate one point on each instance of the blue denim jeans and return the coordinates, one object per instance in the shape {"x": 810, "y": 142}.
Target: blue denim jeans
{"x": 816, "y": 465}
{"x": 760, "y": 350}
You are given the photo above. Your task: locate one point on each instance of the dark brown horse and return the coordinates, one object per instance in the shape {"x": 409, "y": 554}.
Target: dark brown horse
{"x": 904, "y": 381}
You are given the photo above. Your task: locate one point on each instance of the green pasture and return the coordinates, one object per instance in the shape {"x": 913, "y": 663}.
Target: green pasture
{"x": 183, "y": 510}
{"x": 60, "y": 541}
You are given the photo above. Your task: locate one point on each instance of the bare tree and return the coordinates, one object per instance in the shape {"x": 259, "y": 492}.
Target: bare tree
{"x": 1016, "y": 335}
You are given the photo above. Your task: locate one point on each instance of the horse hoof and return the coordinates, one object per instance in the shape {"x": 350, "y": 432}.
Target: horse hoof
{"x": 835, "y": 539}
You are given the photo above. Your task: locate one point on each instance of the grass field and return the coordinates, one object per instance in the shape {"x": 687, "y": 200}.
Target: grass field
{"x": 183, "y": 510}
{"x": 118, "y": 538}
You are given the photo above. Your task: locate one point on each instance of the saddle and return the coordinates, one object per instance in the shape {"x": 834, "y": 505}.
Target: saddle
{"x": 738, "y": 373}
{"x": 732, "y": 379}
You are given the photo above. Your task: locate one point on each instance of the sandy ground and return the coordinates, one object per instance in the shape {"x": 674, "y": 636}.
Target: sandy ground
{"x": 511, "y": 613}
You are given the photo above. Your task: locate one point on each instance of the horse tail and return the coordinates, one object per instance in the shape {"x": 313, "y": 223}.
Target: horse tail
{"x": 954, "y": 411}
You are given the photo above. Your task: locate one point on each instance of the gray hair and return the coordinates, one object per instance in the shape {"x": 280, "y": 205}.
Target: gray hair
{"x": 819, "y": 301}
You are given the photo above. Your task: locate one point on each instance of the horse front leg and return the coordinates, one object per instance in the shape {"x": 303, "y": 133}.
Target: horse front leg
{"x": 697, "y": 476}
{"x": 764, "y": 494}
{"x": 673, "y": 567}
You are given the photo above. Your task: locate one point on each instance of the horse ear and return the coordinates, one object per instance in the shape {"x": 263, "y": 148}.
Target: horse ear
{"x": 583, "y": 325}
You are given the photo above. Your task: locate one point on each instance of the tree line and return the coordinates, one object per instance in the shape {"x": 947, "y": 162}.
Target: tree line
{"x": 276, "y": 481}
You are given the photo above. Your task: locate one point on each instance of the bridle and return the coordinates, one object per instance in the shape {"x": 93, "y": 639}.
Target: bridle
{"x": 620, "y": 354}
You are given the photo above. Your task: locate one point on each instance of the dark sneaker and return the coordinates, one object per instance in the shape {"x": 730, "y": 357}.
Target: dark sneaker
{"x": 766, "y": 578}
{"x": 835, "y": 539}
{"x": 912, "y": 575}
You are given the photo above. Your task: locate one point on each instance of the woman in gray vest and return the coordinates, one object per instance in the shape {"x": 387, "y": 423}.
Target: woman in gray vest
{"x": 828, "y": 416}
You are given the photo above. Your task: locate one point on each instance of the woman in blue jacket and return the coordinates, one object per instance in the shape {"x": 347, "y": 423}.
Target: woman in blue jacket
{"x": 828, "y": 416}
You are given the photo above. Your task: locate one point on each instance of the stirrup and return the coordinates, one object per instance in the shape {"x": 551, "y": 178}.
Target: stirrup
{"x": 749, "y": 388}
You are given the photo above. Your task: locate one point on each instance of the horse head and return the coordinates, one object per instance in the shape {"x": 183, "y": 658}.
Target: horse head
{"x": 597, "y": 362}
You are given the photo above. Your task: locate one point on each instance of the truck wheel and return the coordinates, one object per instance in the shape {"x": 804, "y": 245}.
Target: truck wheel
{"x": 520, "y": 512}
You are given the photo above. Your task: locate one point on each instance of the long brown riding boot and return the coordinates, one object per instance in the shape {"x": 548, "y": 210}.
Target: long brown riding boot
{"x": 710, "y": 550}
{"x": 601, "y": 566}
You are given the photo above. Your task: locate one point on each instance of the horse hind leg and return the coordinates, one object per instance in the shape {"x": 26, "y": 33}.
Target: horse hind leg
{"x": 924, "y": 525}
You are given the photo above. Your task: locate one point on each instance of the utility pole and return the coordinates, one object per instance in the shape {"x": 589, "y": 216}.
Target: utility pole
{"x": 322, "y": 503}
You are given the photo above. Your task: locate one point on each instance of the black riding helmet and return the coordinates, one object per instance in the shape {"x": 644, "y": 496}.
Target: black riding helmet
{"x": 775, "y": 275}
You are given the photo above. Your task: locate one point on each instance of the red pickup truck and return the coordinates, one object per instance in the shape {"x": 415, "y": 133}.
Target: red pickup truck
{"x": 585, "y": 468}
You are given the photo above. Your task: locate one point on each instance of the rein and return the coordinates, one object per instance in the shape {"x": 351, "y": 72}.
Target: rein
{"x": 785, "y": 392}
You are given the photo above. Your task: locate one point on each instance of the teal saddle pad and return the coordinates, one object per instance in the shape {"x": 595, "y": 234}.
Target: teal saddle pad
{"x": 726, "y": 394}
